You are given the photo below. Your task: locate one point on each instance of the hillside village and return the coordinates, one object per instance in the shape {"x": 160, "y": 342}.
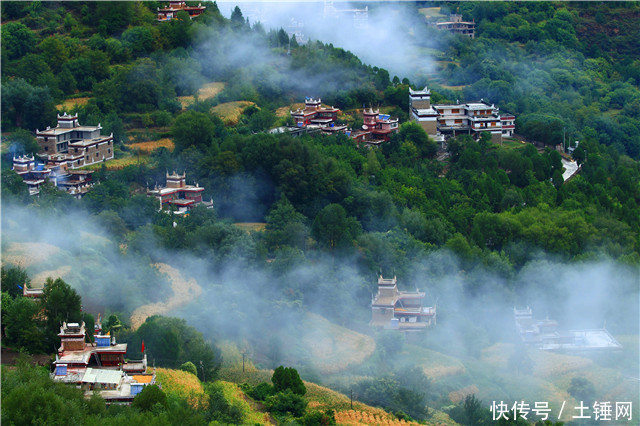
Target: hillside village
{"x": 285, "y": 215}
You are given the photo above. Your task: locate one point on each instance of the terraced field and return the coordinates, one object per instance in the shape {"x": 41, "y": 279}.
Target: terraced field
{"x": 230, "y": 112}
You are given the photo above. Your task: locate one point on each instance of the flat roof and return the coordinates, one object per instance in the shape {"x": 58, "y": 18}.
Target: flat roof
{"x": 96, "y": 375}
{"x": 169, "y": 191}
{"x": 74, "y": 357}
{"x": 478, "y": 105}
{"x": 385, "y": 301}
{"x": 120, "y": 347}
{"x": 143, "y": 378}
{"x": 62, "y": 130}
{"x": 87, "y": 142}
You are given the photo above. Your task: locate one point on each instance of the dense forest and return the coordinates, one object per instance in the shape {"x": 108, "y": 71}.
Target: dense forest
{"x": 483, "y": 226}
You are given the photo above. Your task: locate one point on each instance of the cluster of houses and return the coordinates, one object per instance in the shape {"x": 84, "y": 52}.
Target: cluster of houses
{"x": 70, "y": 145}
{"x": 99, "y": 366}
{"x": 438, "y": 121}
{"x": 376, "y": 128}
{"x": 64, "y": 148}
{"x": 472, "y": 118}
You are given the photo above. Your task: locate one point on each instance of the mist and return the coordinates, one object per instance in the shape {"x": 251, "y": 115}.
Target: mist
{"x": 393, "y": 37}
{"x": 266, "y": 305}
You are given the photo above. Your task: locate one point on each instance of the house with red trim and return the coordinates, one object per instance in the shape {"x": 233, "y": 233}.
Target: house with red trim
{"x": 177, "y": 196}
{"x": 100, "y": 365}
{"x": 171, "y": 11}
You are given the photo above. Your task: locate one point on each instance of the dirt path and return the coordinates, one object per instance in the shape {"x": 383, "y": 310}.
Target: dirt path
{"x": 183, "y": 292}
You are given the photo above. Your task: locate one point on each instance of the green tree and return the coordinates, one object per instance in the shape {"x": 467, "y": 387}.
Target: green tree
{"x": 189, "y": 367}
{"x": 412, "y": 132}
{"x": 150, "y": 397}
{"x": 333, "y": 229}
{"x": 54, "y": 52}
{"x": 193, "y": 128}
{"x": 22, "y": 142}
{"x": 60, "y": 303}
{"x": 13, "y": 188}
{"x": 285, "y": 226}
{"x": 22, "y": 327}
{"x": 26, "y": 106}
{"x": 237, "y": 20}
{"x": 286, "y": 403}
{"x": 139, "y": 40}
{"x": 17, "y": 39}
{"x": 287, "y": 378}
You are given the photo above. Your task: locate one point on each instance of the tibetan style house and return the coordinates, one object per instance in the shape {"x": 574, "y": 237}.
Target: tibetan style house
{"x": 35, "y": 174}
{"x": 72, "y": 145}
{"x": 545, "y": 334}
{"x": 171, "y": 11}
{"x": 315, "y": 114}
{"x": 471, "y": 118}
{"x": 400, "y": 310}
{"x": 456, "y": 25}
{"x": 376, "y": 128}
{"x": 99, "y": 366}
{"x": 177, "y": 196}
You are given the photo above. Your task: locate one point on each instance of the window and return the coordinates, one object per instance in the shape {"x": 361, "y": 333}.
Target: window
{"x": 46, "y": 148}
{"x": 97, "y": 153}
{"x": 75, "y": 150}
{"x": 455, "y": 111}
{"x": 109, "y": 151}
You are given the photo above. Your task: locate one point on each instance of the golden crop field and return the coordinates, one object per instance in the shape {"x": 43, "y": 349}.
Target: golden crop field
{"x": 183, "y": 384}
{"x": 150, "y": 146}
{"x": 354, "y": 417}
{"x": 68, "y": 104}
{"x": 208, "y": 91}
{"x": 251, "y": 226}
{"x": 550, "y": 365}
{"x": 230, "y": 112}
{"x": 284, "y": 111}
{"x": 119, "y": 163}
{"x": 185, "y": 101}
{"x": 211, "y": 90}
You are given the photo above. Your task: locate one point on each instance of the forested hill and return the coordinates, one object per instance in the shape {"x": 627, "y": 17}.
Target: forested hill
{"x": 305, "y": 225}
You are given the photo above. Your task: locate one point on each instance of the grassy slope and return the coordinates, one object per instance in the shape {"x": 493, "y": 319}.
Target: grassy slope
{"x": 488, "y": 377}
{"x": 184, "y": 385}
